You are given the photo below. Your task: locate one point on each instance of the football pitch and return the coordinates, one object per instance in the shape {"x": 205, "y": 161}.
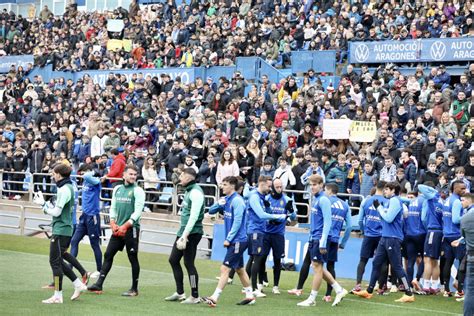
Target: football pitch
{"x": 24, "y": 268}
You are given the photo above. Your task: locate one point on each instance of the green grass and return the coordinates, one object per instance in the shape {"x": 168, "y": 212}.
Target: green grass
{"x": 24, "y": 268}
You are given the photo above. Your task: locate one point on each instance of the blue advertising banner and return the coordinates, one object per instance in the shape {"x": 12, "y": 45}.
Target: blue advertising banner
{"x": 296, "y": 245}
{"x": 7, "y": 61}
{"x": 186, "y": 74}
{"x": 421, "y": 50}
{"x": 100, "y": 76}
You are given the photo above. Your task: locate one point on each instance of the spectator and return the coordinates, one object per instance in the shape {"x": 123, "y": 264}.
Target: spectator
{"x": 226, "y": 167}
{"x": 116, "y": 169}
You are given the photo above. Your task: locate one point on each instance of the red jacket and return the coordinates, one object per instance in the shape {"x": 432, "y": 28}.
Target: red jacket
{"x": 279, "y": 117}
{"x": 117, "y": 168}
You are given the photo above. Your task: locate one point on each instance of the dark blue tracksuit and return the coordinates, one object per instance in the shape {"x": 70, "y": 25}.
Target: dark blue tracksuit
{"x": 89, "y": 222}
{"x": 390, "y": 243}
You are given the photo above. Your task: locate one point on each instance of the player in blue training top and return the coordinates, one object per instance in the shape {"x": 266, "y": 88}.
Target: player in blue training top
{"x": 234, "y": 210}
{"x": 370, "y": 224}
{"x": 415, "y": 234}
{"x": 274, "y": 239}
{"x": 257, "y": 222}
{"x": 390, "y": 244}
{"x": 89, "y": 221}
{"x": 432, "y": 216}
{"x": 452, "y": 213}
{"x": 340, "y": 214}
{"x": 318, "y": 242}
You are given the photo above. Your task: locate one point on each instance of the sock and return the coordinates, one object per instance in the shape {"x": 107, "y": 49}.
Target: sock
{"x": 337, "y": 287}
{"x": 58, "y": 294}
{"x": 216, "y": 294}
{"x": 259, "y": 287}
{"x": 248, "y": 292}
{"x": 77, "y": 283}
{"x": 435, "y": 284}
{"x": 426, "y": 284}
{"x": 313, "y": 295}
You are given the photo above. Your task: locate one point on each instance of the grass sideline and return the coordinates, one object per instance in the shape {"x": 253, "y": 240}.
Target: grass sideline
{"x": 24, "y": 268}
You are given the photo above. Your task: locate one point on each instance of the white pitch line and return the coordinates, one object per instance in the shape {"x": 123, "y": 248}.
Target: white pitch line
{"x": 404, "y": 306}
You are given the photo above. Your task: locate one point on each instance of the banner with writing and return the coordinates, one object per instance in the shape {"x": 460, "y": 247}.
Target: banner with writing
{"x": 419, "y": 50}
{"x": 336, "y": 129}
{"x": 364, "y": 132}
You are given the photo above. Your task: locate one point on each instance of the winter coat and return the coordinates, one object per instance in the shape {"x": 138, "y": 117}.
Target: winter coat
{"x": 226, "y": 170}
{"x": 341, "y": 174}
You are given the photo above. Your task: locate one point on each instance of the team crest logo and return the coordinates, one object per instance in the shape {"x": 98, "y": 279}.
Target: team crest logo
{"x": 281, "y": 203}
{"x": 362, "y": 52}
{"x": 438, "y": 50}
{"x": 259, "y": 249}
{"x": 130, "y": 193}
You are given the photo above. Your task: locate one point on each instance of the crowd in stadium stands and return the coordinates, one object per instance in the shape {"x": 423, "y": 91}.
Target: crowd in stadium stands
{"x": 424, "y": 121}
{"x": 209, "y": 33}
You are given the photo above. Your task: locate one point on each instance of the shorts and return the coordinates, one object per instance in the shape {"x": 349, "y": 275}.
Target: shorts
{"x": 333, "y": 248}
{"x": 413, "y": 246}
{"x": 451, "y": 252}
{"x": 432, "y": 247}
{"x": 369, "y": 245}
{"x": 130, "y": 240}
{"x": 275, "y": 243}
{"x": 316, "y": 255}
{"x": 255, "y": 244}
{"x": 234, "y": 257}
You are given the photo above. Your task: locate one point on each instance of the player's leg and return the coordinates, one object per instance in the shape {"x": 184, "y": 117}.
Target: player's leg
{"x": 412, "y": 255}
{"x": 174, "y": 260}
{"x": 379, "y": 258}
{"x": 115, "y": 245}
{"x": 395, "y": 259}
{"x": 55, "y": 261}
{"x": 79, "y": 233}
{"x": 449, "y": 256}
{"x": 256, "y": 250}
{"x": 93, "y": 231}
{"x": 131, "y": 243}
{"x": 303, "y": 275}
{"x": 330, "y": 267}
{"x": 318, "y": 260}
{"x": 469, "y": 287}
{"x": 278, "y": 250}
{"x": 189, "y": 256}
{"x": 248, "y": 266}
{"x": 79, "y": 284}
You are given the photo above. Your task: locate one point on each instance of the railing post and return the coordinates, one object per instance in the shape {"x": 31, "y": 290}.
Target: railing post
{"x": 1, "y": 183}
{"x": 174, "y": 199}
{"x": 30, "y": 187}
{"x": 22, "y": 220}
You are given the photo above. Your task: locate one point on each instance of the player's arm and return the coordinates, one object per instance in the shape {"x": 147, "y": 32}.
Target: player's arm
{"x": 456, "y": 212}
{"x": 113, "y": 213}
{"x": 139, "y": 195}
{"x": 62, "y": 198}
{"x": 89, "y": 178}
{"x": 254, "y": 202}
{"x": 290, "y": 208}
{"x": 389, "y": 214}
{"x": 113, "y": 206}
{"x": 347, "y": 232}
{"x": 424, "y": 211}
{"x": 325, "y": 206}
{"x": 428, "y": 192}
{"x": 197, "y": 199}
{"x": 216, "y": 208}
{"x": 405, "y": 200}
{"x": 360, "y": 216}
{"x": 239, "y": 208}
